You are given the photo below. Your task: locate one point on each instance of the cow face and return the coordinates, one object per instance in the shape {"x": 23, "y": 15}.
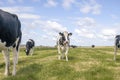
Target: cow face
{"x": 28, "y": 47}
{"x": 64, "y": 38}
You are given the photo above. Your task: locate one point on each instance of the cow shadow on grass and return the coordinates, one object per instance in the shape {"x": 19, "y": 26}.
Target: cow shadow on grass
{"x": 2, "y": 65}
{"x": 29, "y": 72}
{"x": 117, "y": 60}
{"x": 71, "y": 58}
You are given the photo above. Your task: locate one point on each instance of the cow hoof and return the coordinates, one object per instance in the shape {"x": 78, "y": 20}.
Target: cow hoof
{"x": 6, "y": 74}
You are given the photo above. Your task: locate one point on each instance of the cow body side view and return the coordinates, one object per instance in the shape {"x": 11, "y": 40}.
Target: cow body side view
{"x": 10, "y": 36}
{"x": 30, "y": 46}
{"x": 63, "y": 44}
{"x": 117, "y": 45}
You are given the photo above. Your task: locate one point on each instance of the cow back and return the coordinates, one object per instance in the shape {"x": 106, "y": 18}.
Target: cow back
{"x": 9, "y": 28}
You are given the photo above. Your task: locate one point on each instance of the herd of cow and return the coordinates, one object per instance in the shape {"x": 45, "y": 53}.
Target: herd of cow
{"x": 11, "y": 34}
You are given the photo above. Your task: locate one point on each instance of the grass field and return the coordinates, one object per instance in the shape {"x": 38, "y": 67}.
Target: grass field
{"x": 83, "y": 64}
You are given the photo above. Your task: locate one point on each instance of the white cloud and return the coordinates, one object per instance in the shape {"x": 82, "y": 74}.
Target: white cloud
{"x": 84, "y": 33}
{"x": 49, "y": 25}
{"x": 114, "y": 16}
{"x": 55, "y": 26}
{"x": 29, "y": 16}
{"x": 107, "y": 34}
{"x": 11, "y": 1}
{"x": 67, "y": 3}
{"x": 18, "y": 9}
{"x": 86, "y": 22}
{"x": 90, "y": 6}
{"x": 51, "y": 3}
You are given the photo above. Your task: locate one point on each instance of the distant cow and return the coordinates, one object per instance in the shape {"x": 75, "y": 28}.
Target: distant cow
{"x": 73, "y": 46}
{"x": 93, "y": 46}
{"x": 117, "y": 45}
{"x": 30, "y": 46}
{"x": 10, "y": 36}
{"x": 63, "y": 44}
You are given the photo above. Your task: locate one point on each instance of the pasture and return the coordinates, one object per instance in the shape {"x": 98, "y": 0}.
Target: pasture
{"x": 83, "y": 64}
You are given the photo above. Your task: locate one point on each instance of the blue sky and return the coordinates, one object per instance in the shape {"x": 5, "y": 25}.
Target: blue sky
{"x": 91, "y": 21}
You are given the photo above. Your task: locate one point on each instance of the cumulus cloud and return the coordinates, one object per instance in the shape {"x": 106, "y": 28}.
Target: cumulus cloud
{"x": 50, "y": 25}
{"x": 107, "y": 34}
{"x": 85, "y": 27}
{"x": 90, "y": 6}
{"x": 29, "y": 16}
{"x": 86, "y": 22}
{"x": 22, "y": 11}
{"x": 55, "y": 26}
{"x": 85, "y": 33}
{"x": 18, "y": 9}
{"x": 51, "y": 3}
{"x": 67, "y": 3}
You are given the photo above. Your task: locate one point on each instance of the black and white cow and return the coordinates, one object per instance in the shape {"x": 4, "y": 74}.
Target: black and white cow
{"x": 30, "y": 46}
{"x": 10, "y": 36}
{"x": 63, "y": 44}
{"x": 117, "y": 45}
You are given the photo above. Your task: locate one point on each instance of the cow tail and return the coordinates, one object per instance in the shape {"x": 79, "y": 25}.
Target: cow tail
{"x": 19, "y": 41}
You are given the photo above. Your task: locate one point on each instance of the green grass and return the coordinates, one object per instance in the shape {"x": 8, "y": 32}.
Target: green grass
{"x": 83, "y": 64}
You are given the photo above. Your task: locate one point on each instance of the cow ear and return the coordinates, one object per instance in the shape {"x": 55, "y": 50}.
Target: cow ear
{"x": 60, "y": 33}
{"x": 70, "y": 34}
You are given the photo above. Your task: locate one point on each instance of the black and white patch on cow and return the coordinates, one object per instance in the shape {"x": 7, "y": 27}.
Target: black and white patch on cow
{"x": 63, "y": 43}
{"x": 10, "y": 36}
{"x": 117, "y": 45}
{"x": 30, "y": 47}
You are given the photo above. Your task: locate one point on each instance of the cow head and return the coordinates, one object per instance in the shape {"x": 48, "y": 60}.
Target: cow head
{"x": 64, "y": 38}
{"x": 117, "y": 42}
{"x": 29, "y": 45}
{"x": 27, "y": 49}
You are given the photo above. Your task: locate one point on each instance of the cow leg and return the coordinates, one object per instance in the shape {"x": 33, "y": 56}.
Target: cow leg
{"x": 63, "y": 53}
{"x": 115, "y": 52}
{"x": 15, "y": 52}
{"x": 59, "y": 53}
{"x": 7, "y": 61}
{"x": 31, "y": 51}
{"x": 17, "y": 57}
{"x": 66, "y": 53}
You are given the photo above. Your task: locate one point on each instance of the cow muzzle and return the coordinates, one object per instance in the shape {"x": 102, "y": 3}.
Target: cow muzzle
{"x": 65, "y": 42}
{"x": 27, "y": 52}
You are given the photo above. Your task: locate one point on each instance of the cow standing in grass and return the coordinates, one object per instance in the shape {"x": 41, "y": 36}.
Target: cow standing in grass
{"x": 63, "y": 44}
{"x": 10, "y": 36}
{"x": 30, "y": 46}
{"x": 117, "y": 45}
